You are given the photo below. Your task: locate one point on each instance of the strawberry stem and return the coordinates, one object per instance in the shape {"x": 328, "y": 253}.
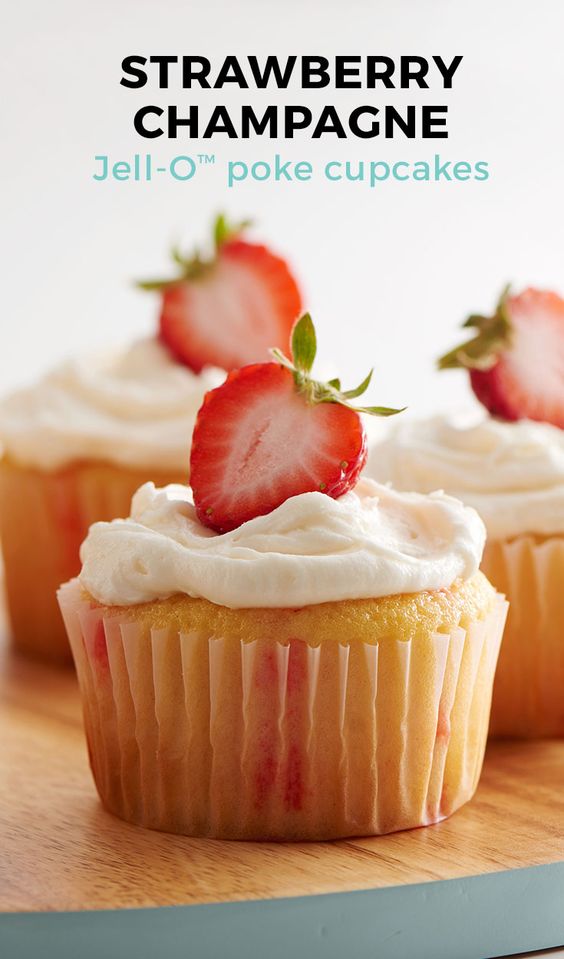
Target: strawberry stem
{"x": 223, "y": 230}
{"x": 304, "y": 349}
{"x": 193, "y": 266}
{"x": 481, "y": 351}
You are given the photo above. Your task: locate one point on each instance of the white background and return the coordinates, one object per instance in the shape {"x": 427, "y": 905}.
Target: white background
{"x": 388, "y": 274}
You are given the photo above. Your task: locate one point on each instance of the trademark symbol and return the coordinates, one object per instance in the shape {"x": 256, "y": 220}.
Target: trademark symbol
{"x": 206, "y": 158}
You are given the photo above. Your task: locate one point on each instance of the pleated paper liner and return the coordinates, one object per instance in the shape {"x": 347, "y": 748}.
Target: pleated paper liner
{"x": 44, "y": 518}
{"x": 211, "y": 736}
{"x": 528, "y": 699}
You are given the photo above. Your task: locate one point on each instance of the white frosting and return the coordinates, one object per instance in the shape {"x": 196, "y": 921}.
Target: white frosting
{"x": 512, "y": 473}
{"x": 312, "y": 549}
{"x": 135, "y": 408}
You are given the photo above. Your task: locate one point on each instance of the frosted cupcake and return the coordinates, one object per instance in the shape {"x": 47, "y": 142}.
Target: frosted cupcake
{"x": 511, "y": 469}
{"x": 287, "y": 652}
{"x": 76, "y": 447}
{"x": 80, "y": 442}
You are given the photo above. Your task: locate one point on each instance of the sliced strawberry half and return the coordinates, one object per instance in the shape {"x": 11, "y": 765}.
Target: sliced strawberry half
{"x": 227, "y": 311}
{"x": 271, "y": 432}
{"x": 516, "y": 359}
{"x": 256, "y": 443}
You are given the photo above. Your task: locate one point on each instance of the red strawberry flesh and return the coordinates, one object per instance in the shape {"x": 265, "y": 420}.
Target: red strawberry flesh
{"x": 258, "y": 441}
{"x": 527, "y": 381}
{"x": 245, "y": 303}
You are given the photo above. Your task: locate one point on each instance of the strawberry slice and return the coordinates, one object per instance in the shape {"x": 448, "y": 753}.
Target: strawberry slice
{"x": 256, "y": 443}
{"x": 271, "y": 432}
{"x": 229, "y": 310}
{"x": 516, "y": 359}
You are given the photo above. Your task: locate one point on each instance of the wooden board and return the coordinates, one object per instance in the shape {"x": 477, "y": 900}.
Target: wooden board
{"x": 61, "y": 851}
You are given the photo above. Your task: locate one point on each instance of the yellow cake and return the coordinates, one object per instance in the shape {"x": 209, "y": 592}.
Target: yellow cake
{"x": 44, "y": 517}
{"x": 529, "y": 688}
{"x": 263, "y": 719}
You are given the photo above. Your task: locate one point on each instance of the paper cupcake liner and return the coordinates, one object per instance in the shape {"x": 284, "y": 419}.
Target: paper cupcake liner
{"x": 44, "y": 518}
{"x": 528, "y": 698}
{"x": 212, "y": 736}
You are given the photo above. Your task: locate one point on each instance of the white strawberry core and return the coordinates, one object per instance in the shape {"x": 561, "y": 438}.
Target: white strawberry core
{"x": 536, "y": 359}
{"x": 234, "y": 293}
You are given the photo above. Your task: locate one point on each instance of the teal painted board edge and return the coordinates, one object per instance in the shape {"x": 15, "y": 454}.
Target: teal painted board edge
{"x": 478, "y": 917}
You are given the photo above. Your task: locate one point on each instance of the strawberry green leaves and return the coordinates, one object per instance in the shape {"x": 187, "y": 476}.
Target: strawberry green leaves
{"x": 304, "y": 349}
{"x": 352, "y": 394}
{"x": 304, "y": 344}
{"x": 481, "y": 351}
{"x": 194, "y": 265}
{"x": 223, "y": 230}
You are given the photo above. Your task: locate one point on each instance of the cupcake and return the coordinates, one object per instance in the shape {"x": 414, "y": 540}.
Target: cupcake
{"x": 79, "y": 443}
{"x": 508, "y": 463}
{"x": 287, "y": 651}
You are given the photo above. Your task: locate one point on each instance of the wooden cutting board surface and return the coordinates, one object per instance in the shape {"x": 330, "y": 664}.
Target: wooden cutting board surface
{"x": 59, "y": 850}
